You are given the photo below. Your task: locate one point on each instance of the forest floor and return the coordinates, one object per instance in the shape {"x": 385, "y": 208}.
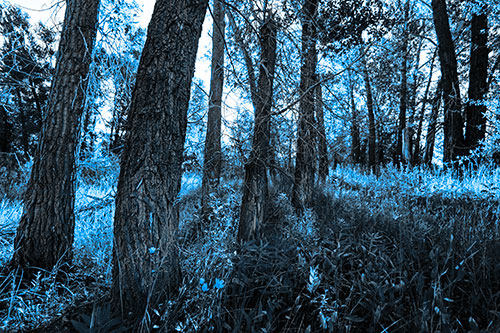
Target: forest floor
{"x": 401, "y": 251}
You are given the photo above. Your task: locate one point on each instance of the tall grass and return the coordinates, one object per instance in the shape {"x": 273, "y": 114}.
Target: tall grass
{"x": 404, "y": 250}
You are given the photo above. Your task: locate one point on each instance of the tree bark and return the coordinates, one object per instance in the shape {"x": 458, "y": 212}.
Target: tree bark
{"x": 356, "y": 141}
{"x": 453, "y": 120}
{"x": 213, "y": 154}
{"x": 145, "y": 259}
{"x": 305, "y": 158}
{"x": 5, "y": 131}
{"x": 475, "y": 109}
{"x": 403, "y": 90}
{"x": 321, "y": 135}
{"x": 432, "y": 127}
{"x": 417, "y": 158}
{"x": 372, "y": 137}
{"x": 46, "y": 230}
{"x": 256, "y": 182}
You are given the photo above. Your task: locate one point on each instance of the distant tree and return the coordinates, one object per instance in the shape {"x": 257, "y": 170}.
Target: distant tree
{"x": 145, "y": 259}
{"x": 475, "y": 109}
{"x": 454, "y": 141}
{"x": 46, "y": 230}
{"x": 323, "y": 165}
{"x": 25, "y": 71}
{"x": 372, "y": 134}
{"x": 403, "y": 86}
{"x": 432, "y": 126}
{"x": 417, "y": 158}
{"x": 255, "y": 185}
{"x": 5, "y": 131}
{"x": 305, "y": 157}
{"x": 356, "y": 156}
{"x": 213, "y": 153}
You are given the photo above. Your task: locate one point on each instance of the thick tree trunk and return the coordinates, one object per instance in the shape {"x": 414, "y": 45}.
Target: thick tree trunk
{"x": 305, "y": 158}
{"x": 453, "y": 120}
{"x": 356, "y": 141}
{"x": 403, "y": 90}
{"x": 372, "y": 138}
{"x": 46, "y": 230}
{"x": 213, "y": 154}
{"x": 432, "y": 127}
{"x": 145, "y": 258}
{"x": 255, "y": 183}
{"x": 478, "y": 85}
{"x": 321, "y": 135}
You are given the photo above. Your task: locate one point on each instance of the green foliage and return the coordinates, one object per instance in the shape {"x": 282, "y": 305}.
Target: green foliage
{"x": 413, "y": 250}
{"x": 100, "y": 321}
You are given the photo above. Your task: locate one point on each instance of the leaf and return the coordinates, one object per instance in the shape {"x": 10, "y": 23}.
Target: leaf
{"x": 80, "y": 327}
{"x": 355, "y": 319}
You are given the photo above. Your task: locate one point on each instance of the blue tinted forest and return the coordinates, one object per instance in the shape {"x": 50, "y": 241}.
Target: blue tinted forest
{"x": 250, "y": 166}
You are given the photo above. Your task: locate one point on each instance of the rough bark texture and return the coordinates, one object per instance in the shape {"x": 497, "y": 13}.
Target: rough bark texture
{"x": 213, "y": 154}
{"x": 403, "y": 90}
{"x": 432, "y": 127}
{"x": 46, "y": 230}
{"x": 321, "y": 134}
{"x": 356, "y": 141}
{"x": 478, "y": 85}
{"x": 453, "y": 120}
{"x": 145, "y": 258}
{"x": 305, "y": 159}
{"x": 255, "y": 183}
{"x": 417, "y": 158}
{"x": 5, "y": 131}
{"x": 372, "y": 138}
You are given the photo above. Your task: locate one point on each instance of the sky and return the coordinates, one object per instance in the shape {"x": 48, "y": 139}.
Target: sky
{"x": 51, "y": 12}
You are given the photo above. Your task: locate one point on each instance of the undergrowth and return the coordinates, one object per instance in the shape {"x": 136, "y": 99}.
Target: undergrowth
{"x": 409, "y": 250}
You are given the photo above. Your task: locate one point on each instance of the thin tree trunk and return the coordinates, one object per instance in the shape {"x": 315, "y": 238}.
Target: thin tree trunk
{"x": 305, "y": 158}
{"x": 478, "y": 85}
{"x": 356, "y": 141}
{"x": 432, "y": 128}
{"x": 145, "y": 259}
{"x": 453, "y": 120}
{"x": 46, "y": 230}
{"x": 5, "y": 131}
{"x": 256, "y": 182}
{"x": 321, "y": 135}
{"x": 372, "y": 138}
{"x": 416, "y": 153}
{"x": 403, "y": 90}
{"x": 22, "y": 120}
{"x": 213, "y": 154}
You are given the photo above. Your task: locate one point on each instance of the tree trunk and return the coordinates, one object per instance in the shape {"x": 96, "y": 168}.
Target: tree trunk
{"x": 46, "y": 230}
{"x": 255, "y": 183}
{"x": 22, "y": 120}
{"x": 432, "y": 128}
{"x": 213, "y": 154}
{"x": 453, "y": 120}
{"x": 145, "y": 259}
{"x": 305, "y": 158}
{"x": 356, "y": 141}
{"x": 321, "y": 135}
{"x": 88, "y": 134}
{"x": 417, "y": 158}
{"x": 372, "y": 148}
{"x": 5, "y": 131}
{"x": 478, "y": 87}
{"x": 403, "y": 90}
